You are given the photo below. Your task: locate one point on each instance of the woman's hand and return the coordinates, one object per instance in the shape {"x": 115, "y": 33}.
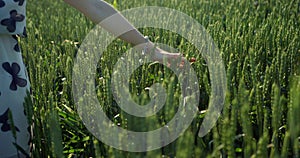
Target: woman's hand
{"x": 162, "y": 56}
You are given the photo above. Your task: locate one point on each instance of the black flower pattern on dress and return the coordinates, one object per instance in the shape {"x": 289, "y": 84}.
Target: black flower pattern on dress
{"x": 24, "y": 32}
{"x": 21, "y": 2}
{"x": 10, "y": 23}
{"x": 14, "y": 70}
{"x": 4, "y": 121}
{"x": 16, "y": 47}
{"x": 2, "y": 3}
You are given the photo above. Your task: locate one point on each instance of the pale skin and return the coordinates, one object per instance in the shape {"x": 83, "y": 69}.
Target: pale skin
{"x": 98, "y": 11}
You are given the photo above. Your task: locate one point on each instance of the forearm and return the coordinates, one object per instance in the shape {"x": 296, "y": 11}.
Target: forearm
{"x": 99, "y": 11}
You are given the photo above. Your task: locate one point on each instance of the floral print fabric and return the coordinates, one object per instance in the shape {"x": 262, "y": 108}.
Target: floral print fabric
{"x": 13, "y": 17}
{"x": 14, "y": 83}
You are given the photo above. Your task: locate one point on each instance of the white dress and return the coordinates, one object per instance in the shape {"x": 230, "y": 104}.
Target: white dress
{"x": 14, "y": 83}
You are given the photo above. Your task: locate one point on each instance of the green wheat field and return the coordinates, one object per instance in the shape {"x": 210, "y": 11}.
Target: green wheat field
{"x": 260, "y": 45}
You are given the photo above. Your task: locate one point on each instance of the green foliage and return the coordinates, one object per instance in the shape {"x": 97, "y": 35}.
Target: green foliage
{"x": 260, "y": 45}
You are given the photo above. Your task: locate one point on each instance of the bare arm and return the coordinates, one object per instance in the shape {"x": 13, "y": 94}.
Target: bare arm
{"x": 99, "y": 10}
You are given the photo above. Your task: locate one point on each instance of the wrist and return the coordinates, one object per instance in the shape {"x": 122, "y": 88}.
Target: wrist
{"x": 148, "y": 46}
